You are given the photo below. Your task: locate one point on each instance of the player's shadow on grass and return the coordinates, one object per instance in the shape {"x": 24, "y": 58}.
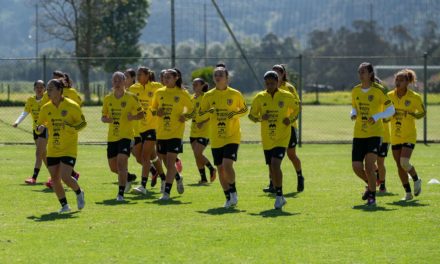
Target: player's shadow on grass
{"x": 273, "y": 213}
{"x": 222, "y": 211}
{"x": 53, "y": 216}
{"x": 36, "y": 184}
{"x": 386, "y": 194}
{"x": 45, "y": 190}
{"x": 198, "y": 185}
{"x": 168, "y": 202}
{"x": 412, "y": 203}
{"x": 288, "y": 195}
{"x": 369, "y": 208}
{"x": 113, "y": 202}
{"x": 136, "y": 197}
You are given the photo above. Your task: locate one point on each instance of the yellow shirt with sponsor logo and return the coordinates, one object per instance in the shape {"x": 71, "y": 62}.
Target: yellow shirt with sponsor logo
{"x": 118, "y": 109}
{"x": 224, "y": 109}
{"x": 195, "y": 130}
{"x": 63, "y": 123}
{"x": 174, "y": 102}
{"x": 33, "y": 107}
{"x": 286, "y": 86}
{"x": 70, "y": 93}
{"x": 274, "y": 133}
{"x": 368, "y": 104}
{"x": 408, "y": 108}
{"x": 145, "y": 95}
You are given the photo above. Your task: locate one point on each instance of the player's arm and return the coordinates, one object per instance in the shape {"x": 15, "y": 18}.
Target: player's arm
{"x": 388, "y": 112}
{"x": 138, "y": 111}
{"x": 420, "y": 110}
{"x": 20, "y": 118}
{"x": 242, "y": 111}
{"x": 353, "y": 112}
{"x": 205, "y": 110}
{"x": 42, "y": 121}
{"x": 255, "y": 111}
{"x": 79, "y": 121}
{"x": 154, "y": 107}
{"x": 190, "y": 109}
{"x": 105, "y": 118}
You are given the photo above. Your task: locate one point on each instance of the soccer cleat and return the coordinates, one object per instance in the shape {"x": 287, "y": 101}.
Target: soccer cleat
{"x": 366, "y": 193}
{"x": 213, "y": 175}
{"x": 417, "y": 187}
{"x": 227, "y": 204}
{"x": 31, "y": 181}
{"x": 203, "y": 182}
{"x": 179, "y": 165}
{"x": 300, "y": 186}
{"x": 75, "y": 175}
{"x": 140, "y": 190}
{"x": 165, "y": 197}
{"x": 154, "y": 179}
{"x": 269, "y": 189}
{"x": 383, "y": 190}
{"x": 127, "y": 187}
{"x": 279, "y": 202}
{"x": 234, "y": 199}
{"x": 49, "y": 183}
{"x": 64, "y": 209}
{"x": 180, "y": 187}
{"x": 131, "y": 177}
{"x": 371, "y": 201}
{"x": 408, "y": 196}
{"x": 80, "y": 200}
{"x": 120, "y": 198}
{"x": 162, "y": 186}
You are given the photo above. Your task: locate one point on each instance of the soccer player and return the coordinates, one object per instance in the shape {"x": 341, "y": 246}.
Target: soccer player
{"x": 63, "y": 119}
{"x": 291, "y": 148}
{"x": 33, "y": 106}
{"x": 199, "y": 134}
{"x": 172, "y": 105}
{"x": 119, "y": 110}
{"x": 409, "y": 107}
{"x": 276, "y": 110}
{"x": 224, "y": 106}
{"x": 381, "y": 155}
{"x": 370, "y": 105}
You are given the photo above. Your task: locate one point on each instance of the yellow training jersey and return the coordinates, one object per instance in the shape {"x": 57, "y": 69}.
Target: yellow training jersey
{"x": 70, "y": 93}
{"x": 286, "y": 86}
{"x": 63, "y": 123}
{"x": 33, "y": 107}
{"x": 224, "y": 109}
{"x": 408, "y": 108}
{"x": 368, "y": 104}
{"x": 386, "y": 131}
{"x": 174, "y": 102}
{"x": 274, "y": 133}
{"x": 195, "y": 130}
{"x": 118, "y": 109}
{"x": 145, "y": 95}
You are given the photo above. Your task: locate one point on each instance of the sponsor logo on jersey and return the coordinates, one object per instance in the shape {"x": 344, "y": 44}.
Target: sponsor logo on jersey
{"x": 64, "y": 113}
{"x": 371, "y": 98}
{"x": 407, "y": 103}
{"x": 150, "y": 94}
{"x": 176, "y": 99}
{"x": 123, "y": 104}
{"x": 229, "y": 101}
{"x": 281, "y": 104}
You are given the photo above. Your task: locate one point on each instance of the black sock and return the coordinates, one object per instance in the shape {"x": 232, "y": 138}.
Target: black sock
{"x": 36, "y": 171}
{"x": 227, "y": 195}
{"x": 415, "y": 177}
{"x": 131, "y": 177}
{"x": 73, "y": 173}
{"x": 279, "y": 191}
{"x": 153, "y": 170}
{"x": 168, "y": 187}
{"x": 162, "y": 176}
{"x": 407, "y": 188}
{"x": 203, "y": 174}
{"x": 299, "y": 173}
{"x": 144, "y": 181}
{"x": 177, "y": 176}
{"x": 63, "y": 201}
{"x": 270, "y": 183}
{"x": 232, "y": 188}
{"x": 382, "y": 185}
{"x": 121, "y": 190}
{"x": 209, "y": 165}
{"x": 78, "y": 191}
{"x": 372, "y": 194}
{"x": 377, "y": 174}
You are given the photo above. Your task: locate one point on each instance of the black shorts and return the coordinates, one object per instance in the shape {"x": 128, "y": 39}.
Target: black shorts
{"x": 149, "y": 135}
{"x": 383, "y": 150}
{"x": 42, "y": 135}
{"x": 277, "y": 152}
{"x": 362, "y": 146}
{"x": 293, "y": 138}
{"x": 228, "y": 151}
{"x": 404, "y": 145}
{"x": 137, "y": 140}
{"x": 173, "y": 145}
{"x": 52, "y": 161}
{"x": 121, "y": 146}
{"x": 200, "y": 140}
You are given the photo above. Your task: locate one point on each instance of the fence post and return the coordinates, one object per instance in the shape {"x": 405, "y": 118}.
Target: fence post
{"x": 44, "y": 69}
{"x": 9, "y": 92}
{"x": 99, "y": 93}
{"x": 425, "y": 96}
{"x": 300, "y": 88}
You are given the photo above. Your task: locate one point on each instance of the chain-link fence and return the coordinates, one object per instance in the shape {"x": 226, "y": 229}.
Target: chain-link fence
{"x": 324, "y": 83}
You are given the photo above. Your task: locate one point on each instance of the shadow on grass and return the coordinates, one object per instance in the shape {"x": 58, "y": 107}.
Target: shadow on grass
{"x": 291, "y": 195}
{"x": 411, "y": 203}
{"x": 222, "y": 211}
{"x": 53, "y": 216}
{"x": 198, "y": 185}
{"x": 36, "y": 184}
{"x": 372, "y": 208}
{"x": 112, "y": 202}
{"x": 273, "y": 213}
{"x": 45, "y": 190}
{"x": 136, "y": 197}
{"x": 168, "y": 202}
{"x": 385, "y": 194}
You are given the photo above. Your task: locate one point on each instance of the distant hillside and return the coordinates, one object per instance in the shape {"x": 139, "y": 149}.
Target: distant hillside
{"x": 246, "y": 17}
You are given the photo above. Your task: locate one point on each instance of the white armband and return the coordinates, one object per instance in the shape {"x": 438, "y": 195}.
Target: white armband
{"x": 21, "y": 117}
{"x": 353, "y": 112}
{"x": 385, "y": 114}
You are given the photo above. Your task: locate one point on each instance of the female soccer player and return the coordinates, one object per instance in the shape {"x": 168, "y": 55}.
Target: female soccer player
{"x": 120, "y": 109}
{"x": 291, "y": 148}
{"x": 276, "y": 110}
{"x": 409, "y": 107}
{"x": 370, "y": 105}
{"x": 224, "y": 106}
{"x": 63, "y": 119}
{"x": 199, "y": 134}
{"x": 172, "y": 105}
{"x": 32, "y": 106}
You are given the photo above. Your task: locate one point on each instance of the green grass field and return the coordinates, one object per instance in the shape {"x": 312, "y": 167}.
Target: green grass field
{"x": 321, "y": 123}
{"x": 327, "y": 223}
